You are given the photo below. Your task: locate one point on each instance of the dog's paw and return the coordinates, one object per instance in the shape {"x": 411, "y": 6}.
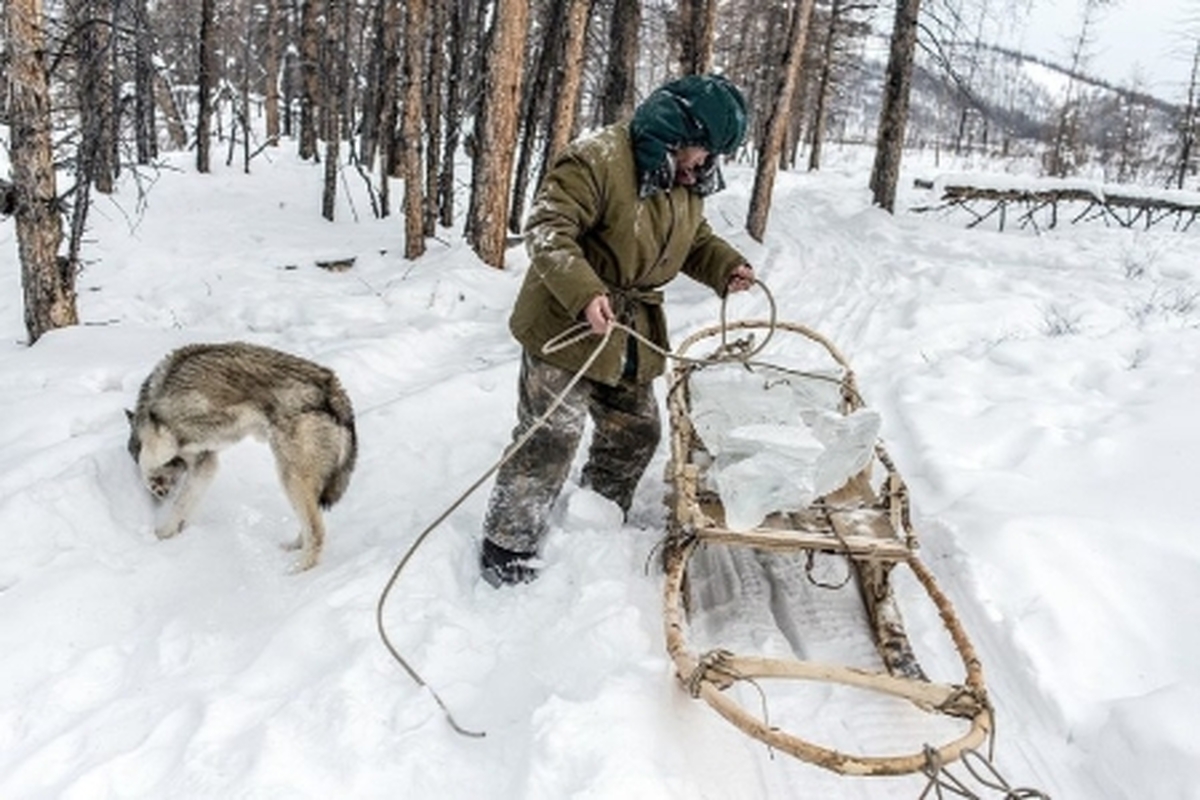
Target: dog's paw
{"x": 169, "y": 529}
{"x": 307, "y": 561}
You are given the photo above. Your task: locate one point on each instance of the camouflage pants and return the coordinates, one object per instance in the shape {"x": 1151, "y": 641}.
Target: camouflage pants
{"x": 626, "y": 434}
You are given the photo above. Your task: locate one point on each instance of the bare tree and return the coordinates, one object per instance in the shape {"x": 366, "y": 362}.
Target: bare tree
{"x": 1067, "y": 146}
{"x": 496, "y": 131}
{"x": 410, "y": 136}
{"x": 435, "y": 77}
{"x": 48, "y": 283}
{"x": 335, "y": 70}
{"x": 697, "y": 26}
{"x": 569, "y": 81}
{"x": 204, "y": 83}
{"x": 837, "y": 22}
{"x": 143, "y": 82}
{"x": 546, "y": 55}
{"x": 1188, "y": 123}
{"x": 768, "y": 157}
{"x": 457, "y": 45}
{"x": 271, "y": 76}
{"x": 380, "y": 112}
{"x": 619, "y": 78}
{"x": 893, "y": 117}
{"x": 310, "y": 60}
{"x": 91, "y": 22}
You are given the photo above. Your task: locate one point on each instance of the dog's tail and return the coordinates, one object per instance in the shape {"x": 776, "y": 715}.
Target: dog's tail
{"x": 339, "y": 407}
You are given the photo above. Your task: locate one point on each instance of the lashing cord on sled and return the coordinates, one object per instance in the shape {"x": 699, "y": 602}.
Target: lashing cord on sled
{"x": 943, "y": 784}
{"x": 739, "y": 351}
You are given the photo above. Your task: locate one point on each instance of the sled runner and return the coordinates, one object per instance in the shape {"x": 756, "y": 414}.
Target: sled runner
{"x": 864, "y": 519}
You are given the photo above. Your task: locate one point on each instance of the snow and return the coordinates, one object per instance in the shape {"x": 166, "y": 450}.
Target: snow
{"x": 1036, "y": 392}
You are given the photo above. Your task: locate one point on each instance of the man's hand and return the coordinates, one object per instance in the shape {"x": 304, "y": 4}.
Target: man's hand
{"x": 599, "y": 314}
{"x": 741, "y": 279}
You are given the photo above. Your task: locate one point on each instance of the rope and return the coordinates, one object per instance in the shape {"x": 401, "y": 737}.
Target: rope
{"x": 980, "y": 769}
{"x": 738, "y": 351}
{"x": 568, "y": 337}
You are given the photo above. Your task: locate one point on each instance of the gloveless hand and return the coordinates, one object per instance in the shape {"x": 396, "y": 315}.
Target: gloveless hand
{"x": 599, "y": 314}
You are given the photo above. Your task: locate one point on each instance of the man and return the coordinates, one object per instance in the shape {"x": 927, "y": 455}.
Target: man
{"x": 619, "y": 214}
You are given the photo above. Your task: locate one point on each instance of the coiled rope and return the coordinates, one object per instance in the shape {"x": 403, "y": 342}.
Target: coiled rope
{"x": 743, "y": 352}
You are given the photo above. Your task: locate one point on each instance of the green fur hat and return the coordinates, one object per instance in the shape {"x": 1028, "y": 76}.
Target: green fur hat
{"x": 697, "y": 110}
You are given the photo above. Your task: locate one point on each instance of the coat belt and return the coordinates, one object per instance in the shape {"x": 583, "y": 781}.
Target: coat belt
{"x": 623, "y": 298}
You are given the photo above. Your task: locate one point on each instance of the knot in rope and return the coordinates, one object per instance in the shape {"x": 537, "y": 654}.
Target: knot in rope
{"x": 713, "y": 667}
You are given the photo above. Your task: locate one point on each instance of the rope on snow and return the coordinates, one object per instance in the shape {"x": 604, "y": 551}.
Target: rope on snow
{"x": 743, "y": 351}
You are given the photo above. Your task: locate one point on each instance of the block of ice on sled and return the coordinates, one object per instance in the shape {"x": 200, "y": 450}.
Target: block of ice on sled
{"x": 777, "y": 446}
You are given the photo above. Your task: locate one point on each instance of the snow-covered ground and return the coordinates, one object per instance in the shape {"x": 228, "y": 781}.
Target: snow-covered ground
{"x": 1037, "y": 392}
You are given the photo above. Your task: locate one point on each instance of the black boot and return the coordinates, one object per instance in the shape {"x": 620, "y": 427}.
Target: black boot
{"x": 501, "y": 566}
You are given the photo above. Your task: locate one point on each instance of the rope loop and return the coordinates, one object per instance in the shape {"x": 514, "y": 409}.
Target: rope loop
{"x": 743, "y": 351}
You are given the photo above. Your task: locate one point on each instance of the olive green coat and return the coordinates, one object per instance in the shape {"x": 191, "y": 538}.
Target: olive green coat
{"x": 588, "y": 233}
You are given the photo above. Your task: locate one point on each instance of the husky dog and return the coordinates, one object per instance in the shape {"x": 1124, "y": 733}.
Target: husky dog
{"x": 204, "y": 397}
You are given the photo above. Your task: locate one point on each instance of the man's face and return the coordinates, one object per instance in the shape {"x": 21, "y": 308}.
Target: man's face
{"x": 688, "y": 161}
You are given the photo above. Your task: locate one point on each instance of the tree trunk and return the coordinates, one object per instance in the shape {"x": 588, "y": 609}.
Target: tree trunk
{"x": 271, "y": 74}
{"x": 549, "y": 56}
{"x": 143, "y": 92}
{"x": 824, "y": 86}
{"x": 453, "y": 114}
{"x": 383, "y": 50}
{"x": 204, "y": 80}
{"x": 894, "y": 115}
{"x": 410, "y": 136}
{"x": 566, "y": 92}
{"x": 496, "y": 131}
{"x": 333, "y": 105}
{"x": 618, "y": 98}
{"x": 777, "y": 123}
{"x": 385, "y": 130}
{"x": 164, "y": 98}
{"x": 435, "y": 75}
{"x": 48, "y": 284}
{"x": 97, "y": 147}
{"x": 290, "y": 69}
{"x": 310, "y": 54}
{"x": 1187, "y": 128}
{"x": 697, "y": 26}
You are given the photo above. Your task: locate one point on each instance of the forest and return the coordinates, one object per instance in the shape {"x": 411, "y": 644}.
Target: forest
{"x": 462, "y": 103}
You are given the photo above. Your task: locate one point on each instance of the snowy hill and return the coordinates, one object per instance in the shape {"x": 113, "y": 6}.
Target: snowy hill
{"x": 1037, "y": 393}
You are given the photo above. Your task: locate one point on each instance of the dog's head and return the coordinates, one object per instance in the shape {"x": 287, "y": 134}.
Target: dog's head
{"x": 155, "y": 452}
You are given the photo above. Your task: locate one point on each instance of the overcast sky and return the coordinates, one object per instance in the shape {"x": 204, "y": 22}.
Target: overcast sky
{"x": 1147, "y": 33}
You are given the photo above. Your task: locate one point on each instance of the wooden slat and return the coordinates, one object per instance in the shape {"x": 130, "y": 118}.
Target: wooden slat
{"x": 858, "y": 546}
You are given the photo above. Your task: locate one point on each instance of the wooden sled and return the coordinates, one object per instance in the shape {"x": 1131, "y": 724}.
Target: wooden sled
{"x": 866, "y": 523}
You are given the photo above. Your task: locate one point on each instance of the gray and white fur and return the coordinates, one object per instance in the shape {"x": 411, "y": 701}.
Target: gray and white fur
{"x": 205, "y": 397}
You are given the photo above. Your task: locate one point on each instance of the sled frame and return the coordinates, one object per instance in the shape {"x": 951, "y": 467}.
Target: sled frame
{"x": 871, "y": 529}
